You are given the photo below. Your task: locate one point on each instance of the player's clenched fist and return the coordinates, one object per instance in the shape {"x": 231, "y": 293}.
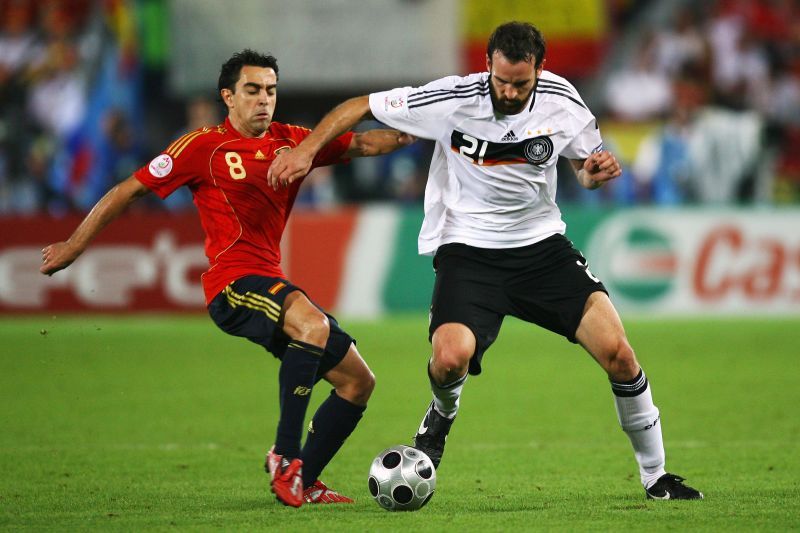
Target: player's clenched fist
{"x": 601, "y": 167}
{"x": 287, "y": 167}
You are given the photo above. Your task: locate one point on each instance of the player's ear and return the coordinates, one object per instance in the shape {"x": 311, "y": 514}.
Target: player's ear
{"x": 488, "y": 63}
{"x": 227, "y": 96}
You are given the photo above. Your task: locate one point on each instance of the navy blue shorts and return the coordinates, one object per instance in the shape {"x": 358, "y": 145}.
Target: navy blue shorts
{"x": 546, "y": 283}
{"x": 250, "y": 307}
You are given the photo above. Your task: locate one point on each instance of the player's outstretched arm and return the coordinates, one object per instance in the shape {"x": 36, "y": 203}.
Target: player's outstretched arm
{"x": 294, "y": 164}
{"x": 377, "y": 142}
{"x": 596, "y": 169}
{"x": 60, "y": 255}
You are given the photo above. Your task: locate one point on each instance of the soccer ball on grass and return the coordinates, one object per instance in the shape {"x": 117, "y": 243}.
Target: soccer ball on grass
{"x": 402, "y": 478}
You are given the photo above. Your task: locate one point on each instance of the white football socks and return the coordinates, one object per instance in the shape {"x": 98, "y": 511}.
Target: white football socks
{"x": 446, "y": 397}
{"x": 640, "y": 420}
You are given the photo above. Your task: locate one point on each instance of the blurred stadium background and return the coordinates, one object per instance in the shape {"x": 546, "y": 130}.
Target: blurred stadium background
{"x": 700, "y": 100}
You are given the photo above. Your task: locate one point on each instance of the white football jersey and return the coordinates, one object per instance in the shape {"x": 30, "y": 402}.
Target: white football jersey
{"x": 492, "y": 181}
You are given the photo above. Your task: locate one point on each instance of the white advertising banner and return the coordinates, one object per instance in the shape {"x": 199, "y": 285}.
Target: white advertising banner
{"x": 320, "y": 45}
{"x": 719, "y": 261}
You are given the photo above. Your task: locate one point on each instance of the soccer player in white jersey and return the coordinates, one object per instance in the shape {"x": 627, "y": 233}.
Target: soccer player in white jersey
{"x": 495, "y": 231}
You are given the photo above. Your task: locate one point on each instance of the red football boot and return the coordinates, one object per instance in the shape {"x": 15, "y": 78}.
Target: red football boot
{"x": 286, "y": 478}
{"x": 320, "y": 493}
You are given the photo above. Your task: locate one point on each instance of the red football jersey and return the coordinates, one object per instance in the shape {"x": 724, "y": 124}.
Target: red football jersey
{"x": 242, "y": 216}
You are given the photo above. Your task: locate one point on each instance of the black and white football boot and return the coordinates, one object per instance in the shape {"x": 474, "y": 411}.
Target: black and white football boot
{"x": 671, "y": 487}
{"x": 432, "y": 434}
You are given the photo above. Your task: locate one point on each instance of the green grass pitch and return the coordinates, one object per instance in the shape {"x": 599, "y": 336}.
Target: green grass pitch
{"x": 161, "y": 423}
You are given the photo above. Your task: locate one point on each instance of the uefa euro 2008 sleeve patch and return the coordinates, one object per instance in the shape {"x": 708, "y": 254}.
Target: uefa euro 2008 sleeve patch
{"x": 393, "y": 102}
{"x": 160, "y": 166}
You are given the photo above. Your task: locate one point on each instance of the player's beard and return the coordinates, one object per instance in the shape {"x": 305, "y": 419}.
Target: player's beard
{"x": 504, "y": 105}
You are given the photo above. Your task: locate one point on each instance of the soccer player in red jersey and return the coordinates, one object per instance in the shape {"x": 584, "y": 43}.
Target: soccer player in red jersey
{"x": 247, "y": 293}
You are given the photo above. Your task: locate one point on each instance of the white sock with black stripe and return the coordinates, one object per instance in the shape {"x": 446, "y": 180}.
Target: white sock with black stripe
{"x": 446, "y": 397}
{"x": 640, "y": 420}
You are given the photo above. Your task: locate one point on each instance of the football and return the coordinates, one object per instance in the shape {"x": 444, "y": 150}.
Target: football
{"x": 402, "y": 478}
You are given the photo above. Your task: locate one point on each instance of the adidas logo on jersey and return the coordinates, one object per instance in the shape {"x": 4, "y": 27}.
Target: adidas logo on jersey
{"x": 259, "y": 155}
{"x": 508, "y": 137}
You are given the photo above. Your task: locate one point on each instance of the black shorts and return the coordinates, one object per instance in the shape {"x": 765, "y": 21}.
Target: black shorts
{"x": 250, "y": 307}
{"x": 546, "y": 283}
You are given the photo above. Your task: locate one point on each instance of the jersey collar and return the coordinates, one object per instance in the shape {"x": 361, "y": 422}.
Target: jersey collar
{"x": 233, "y": 131}
{"x": 486, "y": 110}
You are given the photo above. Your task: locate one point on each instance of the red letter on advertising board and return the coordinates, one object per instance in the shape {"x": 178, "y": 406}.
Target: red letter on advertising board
{"x": 764, "y": 282}
{"x": 714, "y": 289}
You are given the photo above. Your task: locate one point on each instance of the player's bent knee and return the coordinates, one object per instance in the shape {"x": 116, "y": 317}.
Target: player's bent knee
{"x": 453, "y": 347}
{"x": 358, "y": 389}
{"x": 303, "y": 321}
{"x": 314, "y": 328}
{"x": 622, "y": 364}
{"x": 452, "y": 359}
{"x": 364, "y": 387}
{"x": 352, "y": 378}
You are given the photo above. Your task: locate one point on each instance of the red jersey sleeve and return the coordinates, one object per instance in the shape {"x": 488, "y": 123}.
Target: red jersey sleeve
{"x": 334, "y": 151}
{"x": 182, "y": 163}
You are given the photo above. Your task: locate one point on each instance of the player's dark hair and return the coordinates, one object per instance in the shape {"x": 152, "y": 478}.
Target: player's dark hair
{"x": 518, "y": 41}
{"x": 232, "y": 68}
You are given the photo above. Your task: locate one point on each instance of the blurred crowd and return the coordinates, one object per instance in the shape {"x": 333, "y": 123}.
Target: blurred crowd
{"x": 702, "y": 107}
{"x": 83, "y": 104}
{"x": 719, "y": 84}
{"x": 43, "y": 87}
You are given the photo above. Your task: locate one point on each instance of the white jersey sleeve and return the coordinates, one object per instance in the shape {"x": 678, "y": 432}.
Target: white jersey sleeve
{"x": 420, "y": 111}
{"x": 586, "y": 141}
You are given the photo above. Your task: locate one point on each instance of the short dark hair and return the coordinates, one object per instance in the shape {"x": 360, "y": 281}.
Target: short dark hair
{"x": 232, "y": 68}
{"x": 518, "y": 41}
